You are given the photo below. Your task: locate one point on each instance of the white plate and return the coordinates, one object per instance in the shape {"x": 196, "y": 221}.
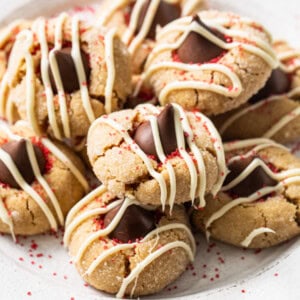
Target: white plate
{"x": 39, "y": 267}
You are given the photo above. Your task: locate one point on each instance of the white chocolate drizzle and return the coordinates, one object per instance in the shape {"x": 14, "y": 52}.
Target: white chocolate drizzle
{"x": 182, "y": 126}
{"x": 9, "y": 163}
{"x": 287, "y": 56}
{"x": 183, "y": 27}
{"x": 277, "y": 126}
{"x": 49, "y": 58}
{"x": 110, "y": 11}
{"x": 284, "y": 178}
{"x": 253, "y": 234}
{"x": 76, "y": 217}
{"x": 8, "y": 31}
{"x": 133, "y": 41}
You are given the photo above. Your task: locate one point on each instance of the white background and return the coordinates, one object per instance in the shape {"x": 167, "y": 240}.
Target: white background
{"x": 39, "y": 268}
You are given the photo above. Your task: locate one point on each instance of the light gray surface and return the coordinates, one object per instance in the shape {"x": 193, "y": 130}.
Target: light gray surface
{"x": 256, "y": 275}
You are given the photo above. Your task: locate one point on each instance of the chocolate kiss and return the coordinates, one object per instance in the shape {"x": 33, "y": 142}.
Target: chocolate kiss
{"x": 165, "y": 14}
{"x": 67, "y": 70}
{"x": 197, "y": 49}
{"x": 18, "y": 152}
{"x": 254, "y": 181}
{"x": 278, "y": 83}
{"x": 135, "y": 223}
{"x": 144, "y": 138}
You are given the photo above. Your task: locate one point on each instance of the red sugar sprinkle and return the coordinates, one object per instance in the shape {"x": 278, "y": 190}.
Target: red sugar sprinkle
{"x": 257, "y": 251}
{"x": 243, "y": 291}
{"x": 40, "y": 267}
{"x": 221, "y": 260}
{"x": 212, "y": 279}
{"x": 204, "y": 276}
{"x": 21, "y": 259}
{"x": 29, "y": 294}
{"x": 276, "y": 274}
{"x": 40, "y": 255}
{"x": 34, "y": 246}
{"x": 54, "y": 274}
{"x": 65, "y": 277}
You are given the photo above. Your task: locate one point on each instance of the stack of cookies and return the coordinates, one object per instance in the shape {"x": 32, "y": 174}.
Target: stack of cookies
{"x": 141, "y": 97}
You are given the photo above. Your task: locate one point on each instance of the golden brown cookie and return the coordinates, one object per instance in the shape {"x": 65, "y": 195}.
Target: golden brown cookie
{"x": 62, "y": 75}
{"x": 7, "y": 38}
{"x": 123, "y": 247}
{"x": 162, "y": 156}
{"x": 258, "y": 206}
{"x": 275, "y": 111}
{"x": 277, "y": 117}
{"x": 138, "y": 20}
{"x": 214, "y": 62}
{"x": 39, "y": 181}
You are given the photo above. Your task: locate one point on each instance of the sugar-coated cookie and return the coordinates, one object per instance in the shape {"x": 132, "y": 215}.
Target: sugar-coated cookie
{"x": 275, "y": 111}
{"x": 258, "y": 206}
{"x": 7, "y": 38}
{"x": 214, "y": 62}
{"x": 277, "y": 117}
{"x": 138, "y": 20}
{"x": 286, "y": 76}
{"x": 63, "y": 74}
{"x": 162, "y": 156}
{"x": 39, "y": 181}
{"x": 123, "y": 247}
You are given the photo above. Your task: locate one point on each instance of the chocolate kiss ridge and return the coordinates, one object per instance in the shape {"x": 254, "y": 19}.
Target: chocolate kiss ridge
{"x": 253, "y": 182}
{"x": 197, "y": 49}
{"x": 18, "y": 152}
{"x": 135, "y": 223}
{"x": 67, "y": 70}
{"x": 144, "y": 137}
{"x": 166, "y": 13}
{"x": 278, "y": 83}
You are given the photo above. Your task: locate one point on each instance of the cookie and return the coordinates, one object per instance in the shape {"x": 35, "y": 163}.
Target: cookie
{"x": 7, "y": 38}
{"x": 40, "y": 181}
{"x": 214, "y": 62}
{"x": 258, "y": 206}
{"x": 275, "y": 110}
{"x": 125, "y": 248}
{"x": 277, "y": 118}
{"x": 138, "y": 21}
{"x": 62, "y": 75}
{"x": 162, "y": 156}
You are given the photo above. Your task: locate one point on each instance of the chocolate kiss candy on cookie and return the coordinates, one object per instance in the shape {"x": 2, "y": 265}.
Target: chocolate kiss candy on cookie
{"x": 278, "y": 83}
{"x": 196, "y": 48}
{"x": 253, "y": 182}
{"x": 144, "y": 137}
{"x": 18, "y": 152}
{"x": 166, "y": 13}
{"x": 67, "y": 70}
{"x": 135, "y": 223}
